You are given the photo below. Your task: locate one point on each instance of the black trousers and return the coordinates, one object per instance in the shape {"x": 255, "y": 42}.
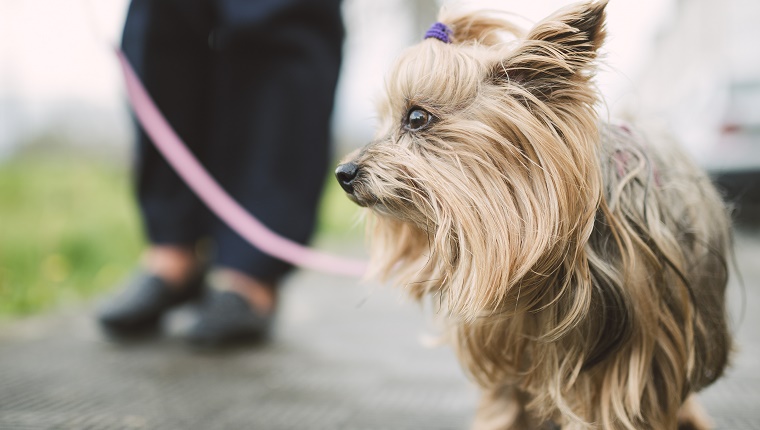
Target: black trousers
{"x": 249, "y": 86}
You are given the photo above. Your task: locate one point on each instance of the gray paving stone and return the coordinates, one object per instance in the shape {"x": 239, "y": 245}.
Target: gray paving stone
{"x": 345, "y": 357}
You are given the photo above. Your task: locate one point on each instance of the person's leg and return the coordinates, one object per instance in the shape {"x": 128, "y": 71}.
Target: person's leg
{"x": 274, "y": 86}
{"x": 167, "y": 43}
{"x": 276, "y": 68}
{"x": 275, "y": 76}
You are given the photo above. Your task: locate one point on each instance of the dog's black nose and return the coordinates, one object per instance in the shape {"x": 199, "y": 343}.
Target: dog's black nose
{"x": 346, "y": 174}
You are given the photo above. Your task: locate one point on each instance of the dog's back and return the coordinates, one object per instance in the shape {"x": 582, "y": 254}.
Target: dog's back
{"x": 660, "y": 248}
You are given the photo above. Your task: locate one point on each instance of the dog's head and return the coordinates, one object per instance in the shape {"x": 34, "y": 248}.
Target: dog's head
{"x": 484, "y": 176}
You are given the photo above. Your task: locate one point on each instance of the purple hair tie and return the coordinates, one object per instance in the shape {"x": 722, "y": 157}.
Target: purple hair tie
{"x": 439, "y": 31}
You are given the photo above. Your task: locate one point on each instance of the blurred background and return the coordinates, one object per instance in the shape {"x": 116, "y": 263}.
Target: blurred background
{"x": 67, "y": 221}
{"x": 344, "y": 357}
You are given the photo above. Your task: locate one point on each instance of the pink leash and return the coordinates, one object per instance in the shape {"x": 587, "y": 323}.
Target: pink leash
{"x": 214, "y": 196}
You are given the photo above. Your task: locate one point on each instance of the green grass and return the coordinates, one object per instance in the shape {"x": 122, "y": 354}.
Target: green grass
{"x": 69, "y": 230}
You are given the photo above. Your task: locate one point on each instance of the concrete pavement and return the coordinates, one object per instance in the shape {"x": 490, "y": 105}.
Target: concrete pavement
{"x": 345, "y": 357}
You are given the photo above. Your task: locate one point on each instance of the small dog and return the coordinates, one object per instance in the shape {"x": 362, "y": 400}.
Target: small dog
{"x": 580, "y": 268}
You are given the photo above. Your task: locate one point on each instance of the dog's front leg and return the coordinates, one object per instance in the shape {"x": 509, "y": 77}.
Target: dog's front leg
{"x": 504, "y": 409}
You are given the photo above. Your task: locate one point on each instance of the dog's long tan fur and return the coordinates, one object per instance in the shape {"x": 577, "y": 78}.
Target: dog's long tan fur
{"x": 580, "y": 266}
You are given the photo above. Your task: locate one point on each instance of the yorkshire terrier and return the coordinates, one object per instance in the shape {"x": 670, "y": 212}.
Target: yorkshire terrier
{"x": 579, "y": 266}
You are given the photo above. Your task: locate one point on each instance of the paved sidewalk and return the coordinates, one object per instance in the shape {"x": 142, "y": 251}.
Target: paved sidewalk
{"x": 345, "y": 357}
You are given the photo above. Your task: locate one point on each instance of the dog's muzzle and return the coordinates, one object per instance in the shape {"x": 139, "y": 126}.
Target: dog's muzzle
{"x": 346, "y": 175}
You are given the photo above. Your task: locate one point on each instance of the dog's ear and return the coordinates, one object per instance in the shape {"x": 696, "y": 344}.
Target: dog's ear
{"x": 557, "y": 52}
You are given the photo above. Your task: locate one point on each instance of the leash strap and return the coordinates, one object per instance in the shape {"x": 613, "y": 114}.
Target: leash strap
{"x": 215, "y": 197}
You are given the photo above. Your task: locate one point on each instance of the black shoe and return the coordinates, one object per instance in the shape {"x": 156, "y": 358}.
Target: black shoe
{"x": 139, "y": 307}
{"x": 226, "y": 318}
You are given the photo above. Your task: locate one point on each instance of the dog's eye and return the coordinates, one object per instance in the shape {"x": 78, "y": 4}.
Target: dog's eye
{"x": 417, "y": 119}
